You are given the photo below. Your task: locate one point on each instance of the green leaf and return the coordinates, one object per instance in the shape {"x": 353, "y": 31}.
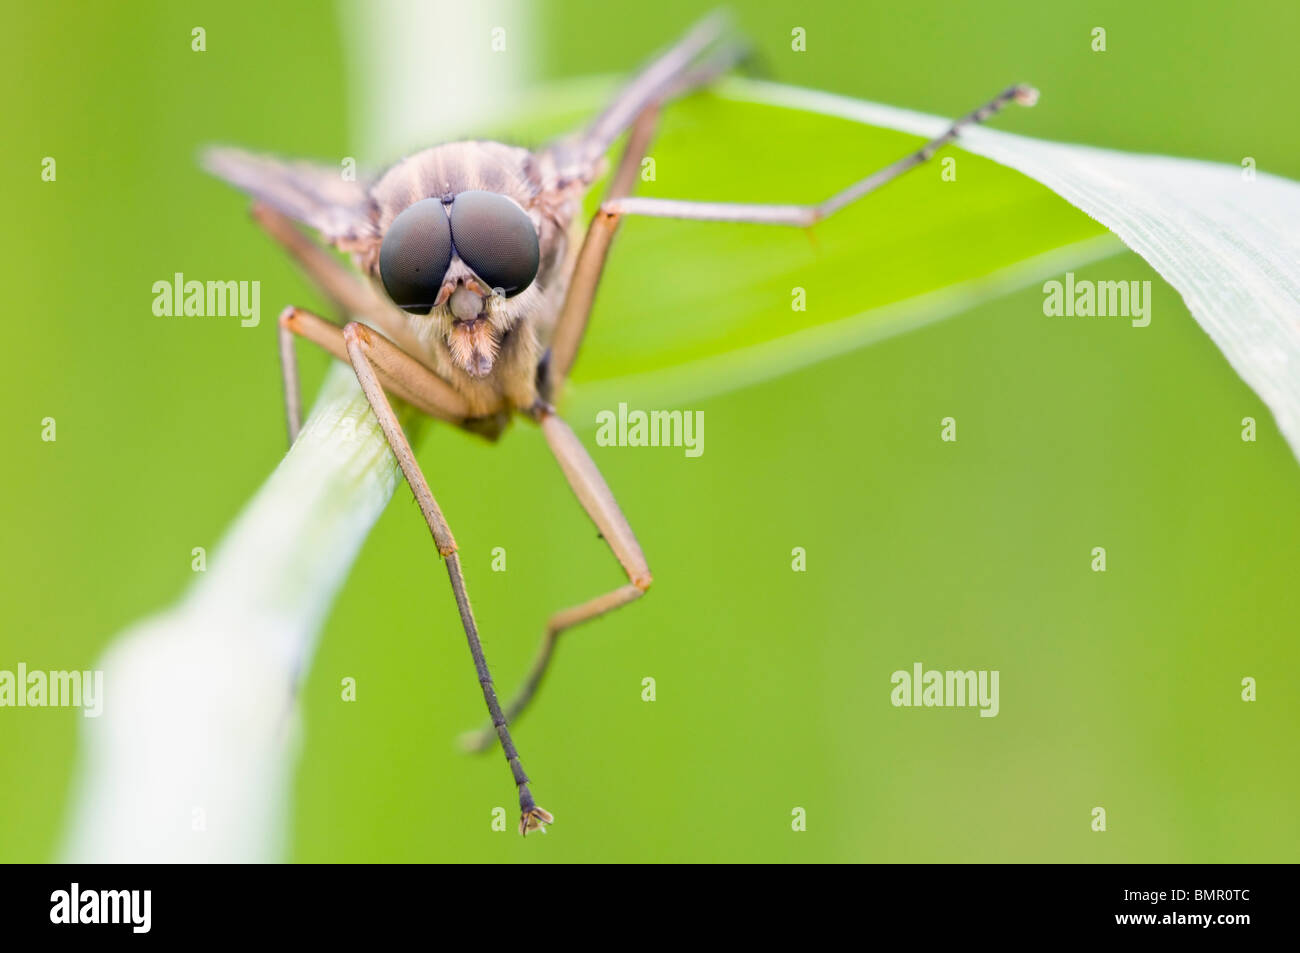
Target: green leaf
{"x": 677, "y": 292}
{"x": 702, "y": 297}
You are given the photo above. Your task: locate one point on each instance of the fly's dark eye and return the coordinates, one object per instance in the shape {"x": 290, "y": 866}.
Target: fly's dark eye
{"x": 415, "y": 255}
{"x": 496, "y": 238}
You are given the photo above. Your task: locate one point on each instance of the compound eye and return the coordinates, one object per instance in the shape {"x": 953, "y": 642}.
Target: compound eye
{"x": 496, "y": 238}
{"x": 414, "y": 256}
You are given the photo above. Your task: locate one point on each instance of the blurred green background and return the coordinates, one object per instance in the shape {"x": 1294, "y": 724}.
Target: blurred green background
{"x": 1118, "y": 689}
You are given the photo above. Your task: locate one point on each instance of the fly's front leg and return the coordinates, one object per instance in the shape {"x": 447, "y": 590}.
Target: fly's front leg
{"x": 402, "y": 374}
{"x": 367, "y": 353}
{"x": 595, "y": 496}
